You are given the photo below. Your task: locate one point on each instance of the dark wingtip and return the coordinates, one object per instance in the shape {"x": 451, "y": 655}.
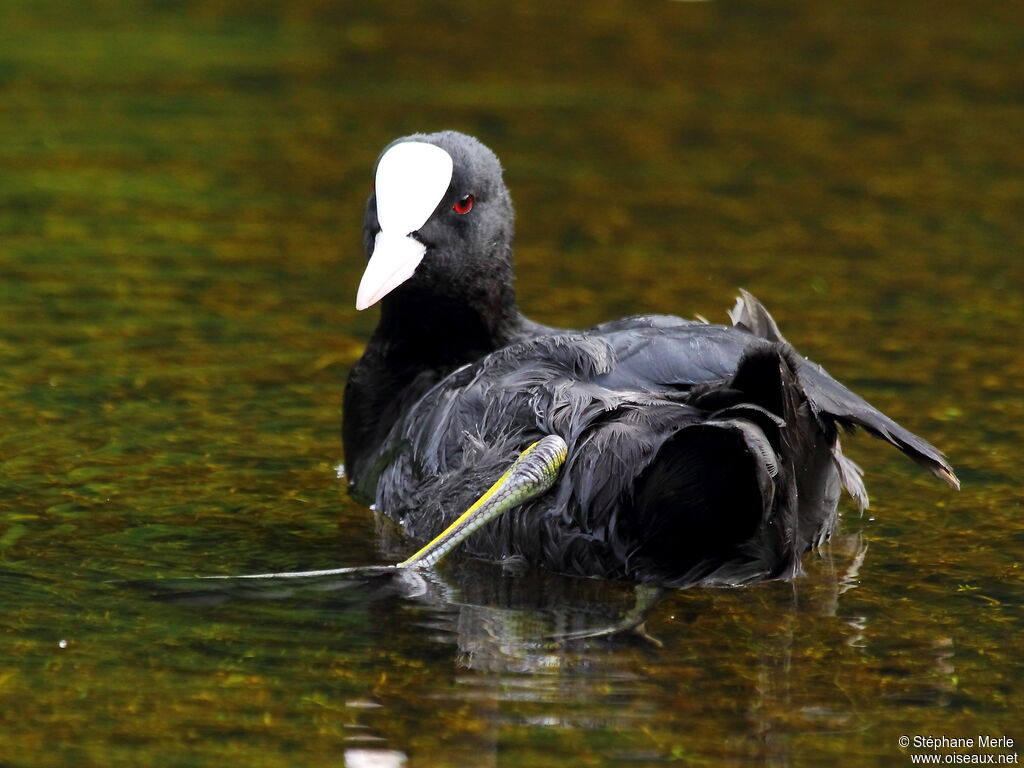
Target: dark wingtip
{"x": 918, "y": 449}
{"x": 945, "y": 473}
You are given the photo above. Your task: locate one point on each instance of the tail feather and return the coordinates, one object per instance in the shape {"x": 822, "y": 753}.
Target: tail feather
{"x": 749, "y": 314}
{"x": 851, "y": 476}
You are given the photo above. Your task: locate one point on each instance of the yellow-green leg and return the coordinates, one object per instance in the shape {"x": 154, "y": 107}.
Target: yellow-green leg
{"x": 531, "y": 474}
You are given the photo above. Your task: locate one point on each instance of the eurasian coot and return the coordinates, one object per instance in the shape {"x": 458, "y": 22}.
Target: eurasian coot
{"x": 696, "y": 452}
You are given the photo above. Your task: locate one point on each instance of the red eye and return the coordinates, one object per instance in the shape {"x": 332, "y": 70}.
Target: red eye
{"x": 465, "y": 205}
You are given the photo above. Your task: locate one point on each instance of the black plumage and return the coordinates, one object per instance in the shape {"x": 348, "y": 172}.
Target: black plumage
{"x": 697, "y": 452}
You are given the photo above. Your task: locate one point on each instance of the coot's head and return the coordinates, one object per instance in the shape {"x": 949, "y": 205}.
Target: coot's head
{"x": 438, "y": 224}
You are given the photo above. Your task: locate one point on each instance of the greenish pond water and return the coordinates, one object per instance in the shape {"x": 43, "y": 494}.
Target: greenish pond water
{"x": 181, "y": 190}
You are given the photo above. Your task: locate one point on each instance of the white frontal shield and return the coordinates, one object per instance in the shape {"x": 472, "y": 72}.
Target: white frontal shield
{"x": 412, "y": 177}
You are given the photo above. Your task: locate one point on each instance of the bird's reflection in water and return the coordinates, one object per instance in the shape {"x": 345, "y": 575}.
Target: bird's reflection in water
{"x": 510, "y": 618}
{"x": 670, "y": 667}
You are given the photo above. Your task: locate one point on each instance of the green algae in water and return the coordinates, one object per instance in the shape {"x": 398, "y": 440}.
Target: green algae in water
{"x": 180, "y": 204}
